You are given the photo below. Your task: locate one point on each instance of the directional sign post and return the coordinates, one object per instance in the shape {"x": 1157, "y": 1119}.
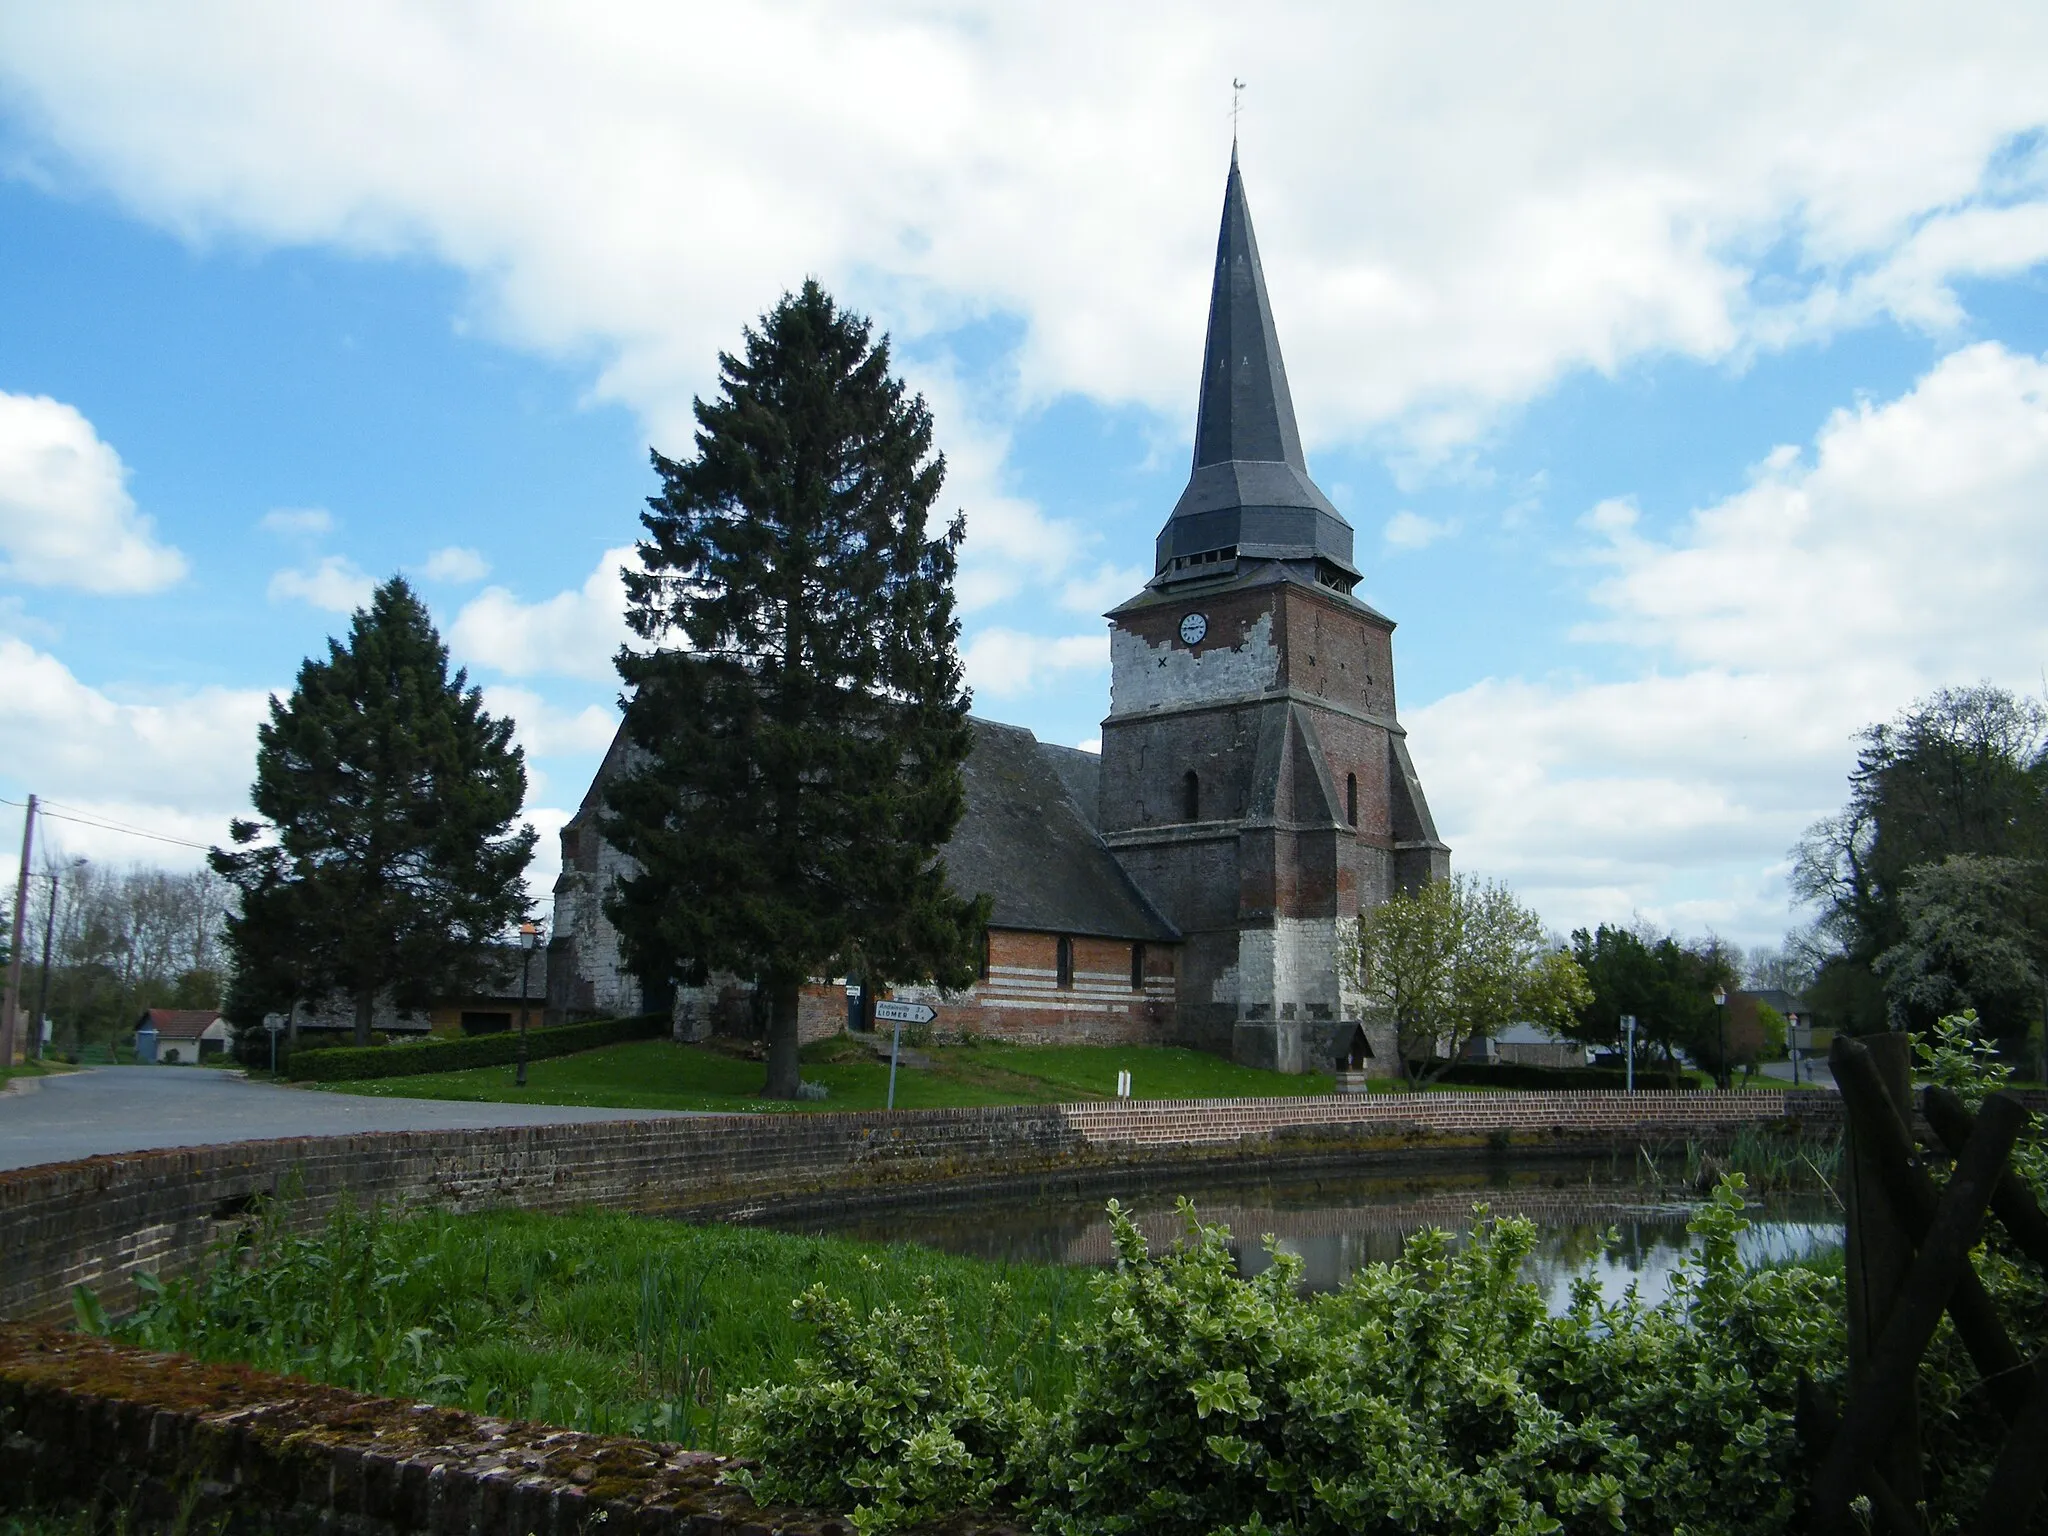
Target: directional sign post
{"x": 901, "y": 1014}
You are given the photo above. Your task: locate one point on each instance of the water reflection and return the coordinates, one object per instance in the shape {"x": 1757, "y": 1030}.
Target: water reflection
{"x": 1589, "y": 1225}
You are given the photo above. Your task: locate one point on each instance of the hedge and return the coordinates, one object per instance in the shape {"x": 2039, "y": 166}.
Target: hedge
{"x": 348, "y": 1063}
{"x": 1515, "y": 1074}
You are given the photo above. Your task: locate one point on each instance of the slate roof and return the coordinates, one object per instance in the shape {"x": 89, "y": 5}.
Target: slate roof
{"x": 1249, "y": 487}
{"x": 1027, "y": 841}
{"x": 179, "y": 1023}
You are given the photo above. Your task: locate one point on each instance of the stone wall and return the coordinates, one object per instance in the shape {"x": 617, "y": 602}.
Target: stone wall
{"x": 1165, "y": 1122}
{"x": 101, "y": 1220}
{"x": 172, "y": 1443}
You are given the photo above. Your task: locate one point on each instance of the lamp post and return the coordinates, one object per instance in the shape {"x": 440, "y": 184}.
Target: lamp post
{"x": 1721, "y": 1002}
{"x": 529, "y": 937}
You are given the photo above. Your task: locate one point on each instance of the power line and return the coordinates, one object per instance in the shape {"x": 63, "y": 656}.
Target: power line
{"x": 83, "y": 820}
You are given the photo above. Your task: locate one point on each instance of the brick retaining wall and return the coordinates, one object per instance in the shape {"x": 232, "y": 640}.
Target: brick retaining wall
{"x": 1162, "y": 1121}
{"x": 104, "y": 1218}
{"x": 175, "y": 1444}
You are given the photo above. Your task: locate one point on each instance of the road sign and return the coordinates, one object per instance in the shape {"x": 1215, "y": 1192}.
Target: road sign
{"x": 905, "y": 1013}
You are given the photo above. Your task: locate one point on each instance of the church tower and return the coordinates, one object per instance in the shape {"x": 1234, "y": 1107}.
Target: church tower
{"x": 1255, "y": 782}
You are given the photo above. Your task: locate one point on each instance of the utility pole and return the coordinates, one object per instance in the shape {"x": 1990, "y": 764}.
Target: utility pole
{"x": 13, "y": 1000}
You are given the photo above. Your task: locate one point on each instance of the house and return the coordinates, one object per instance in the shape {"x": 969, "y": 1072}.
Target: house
{"x": 180, "y": 1036}
{"x": 1190, "y": 884}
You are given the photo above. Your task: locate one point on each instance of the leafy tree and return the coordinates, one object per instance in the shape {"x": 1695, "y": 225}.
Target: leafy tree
{"x": 1771, "y": 1024}
{"x": 1459, "y": 960}
{"x": 1973, "y": 939}
{"x": 1964, "y": 771}
{"x": 796, "y": 766}
{"x": 392, "y": 795}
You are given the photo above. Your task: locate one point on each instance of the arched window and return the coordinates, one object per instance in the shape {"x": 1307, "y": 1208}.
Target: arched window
{"x": 1190, "y": 797}
{"x": 1351, "y": 798}
{"x": 1138, "y": 967}
{"x": 1066, "y": 961}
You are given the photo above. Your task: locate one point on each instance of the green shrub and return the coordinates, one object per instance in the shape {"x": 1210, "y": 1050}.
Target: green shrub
{"x": 352, "y": 1063}
{"x": 1433, "y": 1394}
{"x": 889, "y": 1413}
{"x": 1515, "y": 1074}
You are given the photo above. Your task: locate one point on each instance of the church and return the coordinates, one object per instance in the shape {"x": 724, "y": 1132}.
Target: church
{"x": 1254, "y": 790}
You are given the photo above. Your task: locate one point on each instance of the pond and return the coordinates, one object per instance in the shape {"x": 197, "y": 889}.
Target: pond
{"x": 1590, "y": 1224}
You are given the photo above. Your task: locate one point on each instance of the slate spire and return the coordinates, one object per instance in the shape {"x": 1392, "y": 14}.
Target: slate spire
{"x": 1246, "y": 411}
{"x": 1249, "y": 503}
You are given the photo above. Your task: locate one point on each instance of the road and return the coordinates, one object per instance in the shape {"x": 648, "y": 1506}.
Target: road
{"x": 135, "y": 1109}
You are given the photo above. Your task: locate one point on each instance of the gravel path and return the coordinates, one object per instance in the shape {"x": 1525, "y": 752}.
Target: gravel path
{"x": 133, "y": 1109}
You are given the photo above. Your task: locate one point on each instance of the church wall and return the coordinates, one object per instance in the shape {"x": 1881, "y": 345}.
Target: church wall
{"x": 1022, "y": 1001}
{"x": 1335, "y": 652}
{"x": 1151, "y": 667}
{"x": 1145, "y": 762}
{"x": 1292, "y": 965}
{"x": 585, "y": 950}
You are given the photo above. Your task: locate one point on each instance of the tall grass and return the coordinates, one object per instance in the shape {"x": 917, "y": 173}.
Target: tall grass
{"x": 1771, "y": 1161}
{"x": 597, "y": 1321}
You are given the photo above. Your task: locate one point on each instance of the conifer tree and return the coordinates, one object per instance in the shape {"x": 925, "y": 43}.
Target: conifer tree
{"x": 799, "y": 726}
{"x": 392, "y": 795}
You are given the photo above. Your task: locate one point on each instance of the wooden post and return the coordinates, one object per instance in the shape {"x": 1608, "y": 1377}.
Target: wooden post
{"x": 11, "y": 1008}
{"x": 1878, "y": 1255}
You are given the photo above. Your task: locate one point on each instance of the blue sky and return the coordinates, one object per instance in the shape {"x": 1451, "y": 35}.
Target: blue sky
{"x": 1687, "y": 394}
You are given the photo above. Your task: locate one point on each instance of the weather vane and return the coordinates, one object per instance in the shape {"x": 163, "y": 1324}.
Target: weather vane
{"x": 1236, "y": 89}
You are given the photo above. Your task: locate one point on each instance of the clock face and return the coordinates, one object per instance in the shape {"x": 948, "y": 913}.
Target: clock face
{"x": 1192, "y": 628}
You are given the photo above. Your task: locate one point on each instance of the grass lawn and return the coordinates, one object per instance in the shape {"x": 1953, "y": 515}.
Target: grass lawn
{"x": 32, "y": 1069}
{"x": 656, "y": 1074}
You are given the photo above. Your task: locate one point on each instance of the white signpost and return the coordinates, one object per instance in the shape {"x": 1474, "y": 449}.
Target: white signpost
{"x": 901, "y": 1014}
{"x": 273, "y": 1026}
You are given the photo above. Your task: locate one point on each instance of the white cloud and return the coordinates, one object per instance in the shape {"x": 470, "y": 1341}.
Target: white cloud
{"x": 1104, "y": 588}
{"x": 1902, "y": 552}
{"x": 1002, "y": 663}
{"x": 173, "y": 762}
{"x": 1575, "y": 188}
{"x": 336, "y": 584}
{"x": 1411, "y": 530}
{"x": 545, "y": 729}
{"x": 297, "y": 522}
{"x": 456, "y": 564}
{"x": 66, "y": 519}
{"x": 572, "y": 634}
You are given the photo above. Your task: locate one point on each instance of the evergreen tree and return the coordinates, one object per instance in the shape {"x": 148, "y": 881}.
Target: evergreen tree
{"x": 392, "y": 796}
{"x": 1667, "y": 986}
{"x": 796, "y": 765}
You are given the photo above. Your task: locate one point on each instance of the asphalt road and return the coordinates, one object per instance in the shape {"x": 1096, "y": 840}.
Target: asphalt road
{"x": 135, "y": 1109}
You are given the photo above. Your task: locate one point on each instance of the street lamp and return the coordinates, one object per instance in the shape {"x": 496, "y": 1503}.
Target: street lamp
{"x": 529, "y": 938}
{"x": 1721, "y": 1002}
